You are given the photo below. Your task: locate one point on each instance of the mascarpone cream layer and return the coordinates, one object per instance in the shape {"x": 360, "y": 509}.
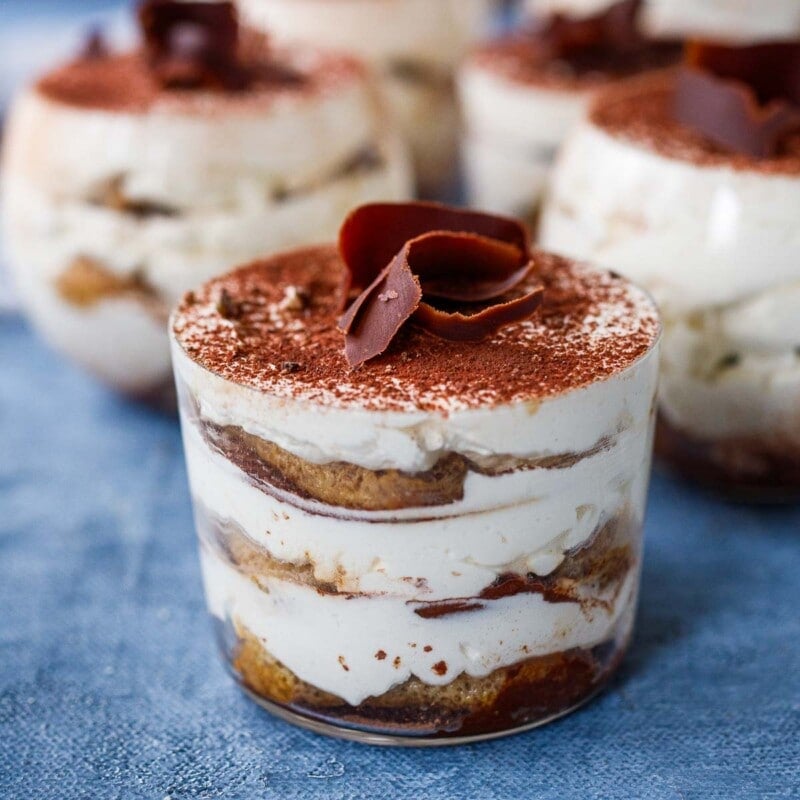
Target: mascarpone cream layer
{"x": 521, "y": 522}
{"x": 341, "y": 637}
{"x": 516, "y": 113}
{"x": 719, "y": 249}
{"x": 172, "y": 253}
{"x": 695, "y": 235}
{"x": 435, "y": 33}
{"x": 513, "y": 129}
{"x": 414, "y": 440}
{"x": 735, "y": 21}
{"x": 503, "y": 180}
{"x": 221, "y": 159}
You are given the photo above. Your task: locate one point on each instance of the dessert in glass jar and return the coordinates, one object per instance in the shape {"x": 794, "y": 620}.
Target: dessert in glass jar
{"x": 413, "y": 47}
{"x": 689, "y": 184}
{"x": 522, "y": 93}
{"x": 130, "y": 177}
{"x": 419, "y": 522}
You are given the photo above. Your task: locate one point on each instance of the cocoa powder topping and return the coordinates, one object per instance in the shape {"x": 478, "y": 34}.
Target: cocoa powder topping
{"x": 642, "y": 112}
{"x": 591, "y": 325}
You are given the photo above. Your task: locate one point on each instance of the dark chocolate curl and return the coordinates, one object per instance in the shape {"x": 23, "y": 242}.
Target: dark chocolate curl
{"x": 461, "y": 267}
{"x": 481, "y": 325}
{"x": 614, "y": 28}
{"x": 193, "y": 45}
{"x": 728, "y": 113}
{"x": 373, "y": 234}
{"x": 377, "y": 315}
{"x": 772, "y": 71}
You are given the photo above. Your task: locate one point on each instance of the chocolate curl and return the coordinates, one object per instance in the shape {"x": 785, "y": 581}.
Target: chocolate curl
{"x": 457, "y": 267}
{"x": 614, "y": 28}
{"x": 193, "y": 45}
{"x": 746, "y": 99}
{"x": 372, "y": 235}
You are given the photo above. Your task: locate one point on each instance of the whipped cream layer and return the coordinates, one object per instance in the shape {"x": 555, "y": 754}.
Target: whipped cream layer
{"x": 380, "y": 31}
{"x": 414, "y": 440}
{"x": 342, "y": 637}
{"x": 735, "y": 21}
{"x": 412, "y": 46}
{"x": 513, "y": 129}
{"x": 520, "y": 522}
{"x": 194, "y": 152}
{"x": 719, "y": 247}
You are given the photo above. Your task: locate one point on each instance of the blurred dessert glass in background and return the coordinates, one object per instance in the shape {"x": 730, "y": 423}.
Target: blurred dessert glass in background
{"x": 130, "y": 177}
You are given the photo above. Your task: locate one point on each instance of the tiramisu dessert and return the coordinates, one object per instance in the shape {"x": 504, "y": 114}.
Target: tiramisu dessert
{"x": 689, "y": 183}
{"x": 413, "y": 47}
{"x": 128, "y": 178}
{"x": 420, "y": 517}
{"x": 522, "y": 93}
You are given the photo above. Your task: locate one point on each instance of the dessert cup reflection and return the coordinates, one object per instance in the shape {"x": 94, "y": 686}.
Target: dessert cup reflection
{"x": 442, "y": 543}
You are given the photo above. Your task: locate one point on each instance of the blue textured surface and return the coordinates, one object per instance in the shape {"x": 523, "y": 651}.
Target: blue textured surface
{"x": 110, "y": 686}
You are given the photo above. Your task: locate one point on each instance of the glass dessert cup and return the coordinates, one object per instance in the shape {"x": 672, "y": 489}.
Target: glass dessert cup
{"x": 714, "y": 237}
{"x": 413, "y": 48}
{"x": 120, "y": 193}
{"x": 397, "y": 554}
{"x": 519, "y": 102}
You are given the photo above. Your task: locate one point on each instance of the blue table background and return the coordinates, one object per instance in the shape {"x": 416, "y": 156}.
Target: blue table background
{"x": 110, "y": 686}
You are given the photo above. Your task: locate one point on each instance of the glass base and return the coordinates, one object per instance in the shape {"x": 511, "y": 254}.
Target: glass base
{"x": 386, "y": 740}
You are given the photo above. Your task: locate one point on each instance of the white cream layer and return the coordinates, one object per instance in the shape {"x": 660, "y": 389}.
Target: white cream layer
{"x": 434, "y": 33}
{"x": 332, "y": 642}
{"x": 414, "y": 440}
{"x": 522, "y": 522}
{"x": 719, "y": 249}
{"x": 45, "y": 233}
{"x": 224, "y": 159}
{"x": 513, "y": 130}
{"x": 696, "y": 236}
{"x": 736, "y": 21}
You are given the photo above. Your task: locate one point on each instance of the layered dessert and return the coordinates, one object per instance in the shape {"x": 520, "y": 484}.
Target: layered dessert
{"x": 129, "y": 177}
{"x": 420, "y": 520}
{"x": 522, "y": 93}
{"x": 413, "y": 47}
{"x": 689, "y": 183}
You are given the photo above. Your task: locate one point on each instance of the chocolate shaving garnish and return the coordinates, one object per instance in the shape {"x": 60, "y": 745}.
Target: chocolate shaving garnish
{"x": 193, "y": 45}
{"x": 373, "y": 234}
{"x": 462, "y": 258}
{"x": 745, "y": 99}
{"x": 615, "y": 28}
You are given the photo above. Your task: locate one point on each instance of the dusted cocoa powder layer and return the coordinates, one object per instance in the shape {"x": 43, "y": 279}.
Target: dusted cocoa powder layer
{"x": 525, "y": 61}
{"x": 272, "y": 326}
{"x": 747, "y": 469}
{"x": 511, "y": 697}
{"x": 124, "y": 82}
{"x": 591, "y": 574}
{"x": 641, "y": 111}
{"x": 350, "y": 486}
